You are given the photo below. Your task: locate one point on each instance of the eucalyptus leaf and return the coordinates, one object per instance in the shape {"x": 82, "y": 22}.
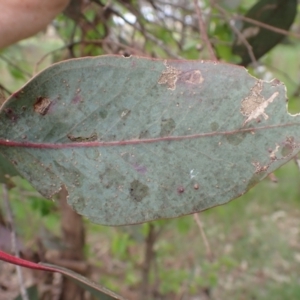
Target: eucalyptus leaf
{"x": 137, "y": 139}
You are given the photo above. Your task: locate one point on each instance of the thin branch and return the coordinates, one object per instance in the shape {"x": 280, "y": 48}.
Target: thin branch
{"x": 15, "y": 248}
{"x": 237, "y": 32}
{"x": 203, "y": 32}
{"x": 266, "y": 26}
{"x": 15, "y": 66}
{"x": 204, "y": 238}
{"x": 7, "y": 91}
{"x": 148, "y": 260}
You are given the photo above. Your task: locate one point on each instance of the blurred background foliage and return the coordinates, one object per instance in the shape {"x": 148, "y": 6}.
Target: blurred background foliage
{"x": 254, "y": 240}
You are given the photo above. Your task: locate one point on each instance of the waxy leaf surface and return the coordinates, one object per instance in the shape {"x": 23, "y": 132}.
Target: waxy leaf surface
{"x": 135, "y": 139}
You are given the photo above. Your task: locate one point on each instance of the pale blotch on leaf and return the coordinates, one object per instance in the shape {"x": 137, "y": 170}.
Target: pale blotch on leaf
{"x": 125, "y": 113}
{"x": 169, "y": 77}
{"x": 254, "y": 105}
{"x": 192, "y": 77}
{"x": 42, "y": 105}
{"x": 273, "y": 153}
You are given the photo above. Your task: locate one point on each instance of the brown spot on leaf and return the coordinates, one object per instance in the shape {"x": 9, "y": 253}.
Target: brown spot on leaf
{"x": 42, "y": 105}
{"x": 180, "y": 189}
{"x": 92, "y": 137}
{"x": 138, "y": 190}
{"x": 10, "y": 114}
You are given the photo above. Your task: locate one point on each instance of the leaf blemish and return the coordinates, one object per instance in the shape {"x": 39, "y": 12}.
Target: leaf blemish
{"x": 77, "y": 99}
{"x": 289, "y": 146}
{"x": 140, "y": 169}
{"x": 125, "y": 113}
{"x": 273, "y": 153}
{"x": 138, "y": 190}
{"x": 10, "y": 114}
{"x": 169, "y": 77}
{"x": 180, "y": 189}
{"x": 91, "y": 138}
{"x": 254, "y": 105}
{"x": 42, "y": 105}
{"x": 196, "y": 186}
{"x": 167, "y": 127}
{"x": 192, "y": 77}
{"x": 259, "y": 168}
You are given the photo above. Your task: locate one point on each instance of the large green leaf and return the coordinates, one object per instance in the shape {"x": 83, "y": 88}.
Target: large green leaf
{"x": 277, "y": 13}
{"x": 136, "y": 139}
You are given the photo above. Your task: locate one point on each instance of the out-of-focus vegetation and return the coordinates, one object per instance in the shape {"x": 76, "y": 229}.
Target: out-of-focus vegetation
{"x": 255, "y": 240}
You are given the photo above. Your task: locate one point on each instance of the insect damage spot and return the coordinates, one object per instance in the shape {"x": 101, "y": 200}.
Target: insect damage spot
{"x": 124, "y": 113}
{"x": 273, "y": 153}
{"x": 138, "y": 190}
{"x": 169, "y": 77}
{"x": 289, "y": 146}
{"x": 42, "y": 105}
{"x": 167, "y": 126}
{"x": 192, "y": 77}
{"x": 92, "y": 137}
{"x": 260, "y": 168}
{"x": 254, "y": 105}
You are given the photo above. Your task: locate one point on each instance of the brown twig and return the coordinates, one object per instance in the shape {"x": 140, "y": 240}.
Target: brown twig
{"x": 148, "y": 260}
{"x": 203, "y": 32}
{"x": 7, "y": 91}
{"x": 204, "y": 238}
{"x": 14, "y": 245}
